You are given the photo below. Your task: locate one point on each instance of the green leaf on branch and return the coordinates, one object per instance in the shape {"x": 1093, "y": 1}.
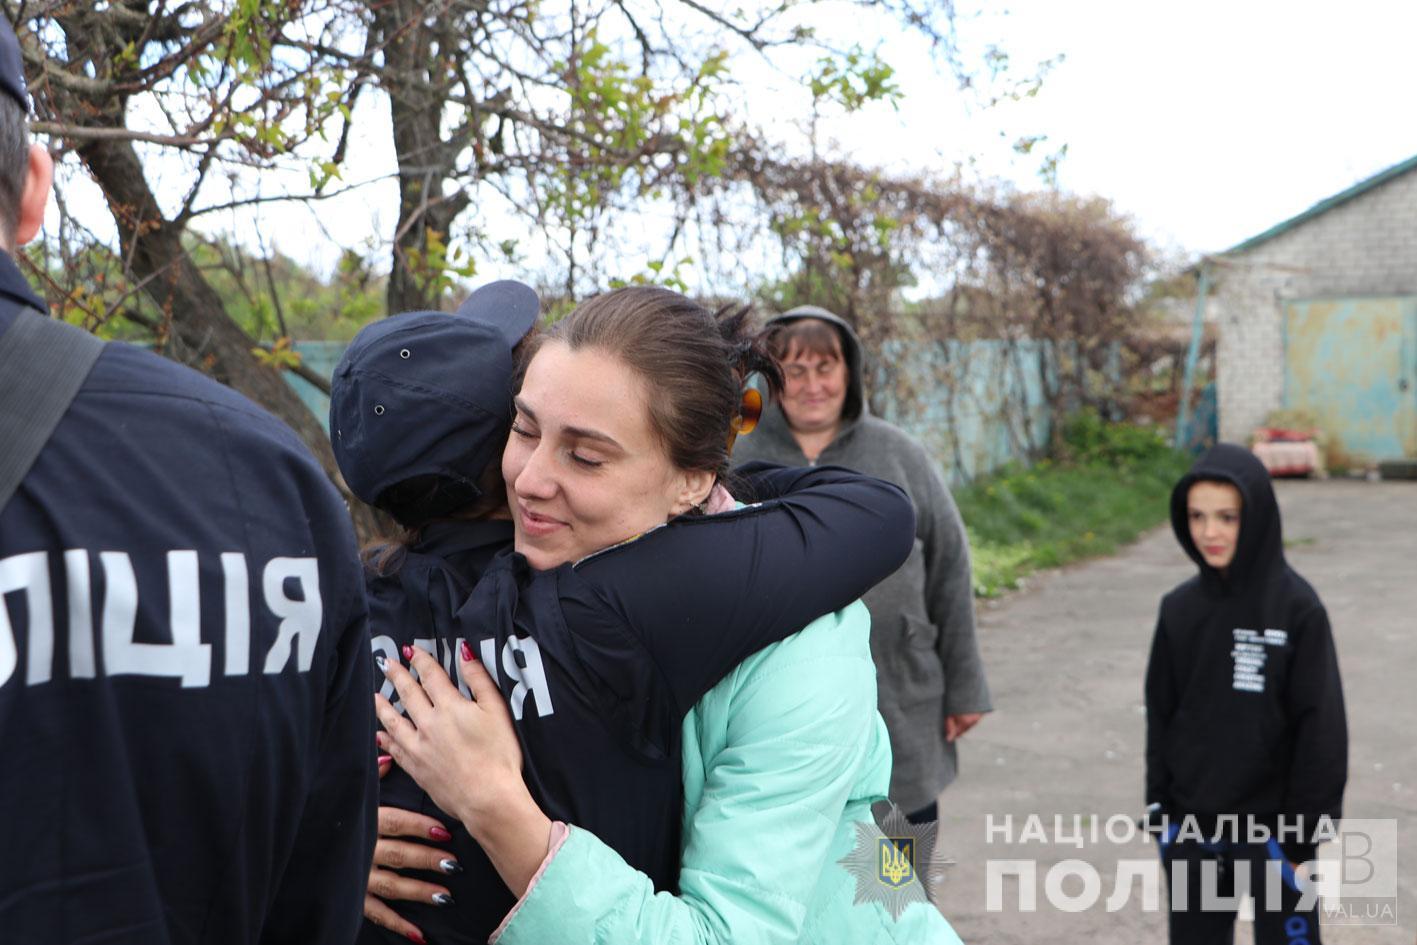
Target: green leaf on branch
{"x": 855, "y": 80}
{"x": 281, "y": 355}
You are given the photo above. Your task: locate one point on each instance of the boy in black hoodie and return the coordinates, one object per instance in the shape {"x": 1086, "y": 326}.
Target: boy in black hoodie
{"x": 1245, "y": 734}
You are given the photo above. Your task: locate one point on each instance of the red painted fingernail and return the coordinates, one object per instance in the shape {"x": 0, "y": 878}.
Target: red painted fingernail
{"x": 438, "y": 833}
{"x": 408, "y": 652}
{"x": 385, "y": 760}
{"x": 416, "y": 937}
{"x": 466, "y": 652}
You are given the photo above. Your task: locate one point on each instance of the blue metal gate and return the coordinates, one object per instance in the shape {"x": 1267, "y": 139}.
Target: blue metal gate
{"x": 1352, "y": 364}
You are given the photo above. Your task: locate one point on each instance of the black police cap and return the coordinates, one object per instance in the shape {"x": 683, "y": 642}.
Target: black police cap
{"x": 12, "y": 66}
{"x": 429, "y": 393}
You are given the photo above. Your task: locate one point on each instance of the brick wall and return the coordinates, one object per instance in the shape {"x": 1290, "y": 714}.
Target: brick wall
{"x": 1364, "y": 247}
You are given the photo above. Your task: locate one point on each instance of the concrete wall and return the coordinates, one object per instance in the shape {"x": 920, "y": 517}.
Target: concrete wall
{"x": 1364, "y": 247}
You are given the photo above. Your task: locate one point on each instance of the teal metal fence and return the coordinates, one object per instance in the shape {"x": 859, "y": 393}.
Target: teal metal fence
{"x": 975, "y": 405}
{"x": 320, "y": 357}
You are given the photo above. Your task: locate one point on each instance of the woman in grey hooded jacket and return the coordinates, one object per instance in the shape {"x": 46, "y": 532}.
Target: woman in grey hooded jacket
{"x": 931, "y": 678}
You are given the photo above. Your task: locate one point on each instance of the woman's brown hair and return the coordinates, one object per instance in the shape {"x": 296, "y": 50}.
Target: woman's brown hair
{"x": 695, "y": 362}
{"x": 808, "y": 335}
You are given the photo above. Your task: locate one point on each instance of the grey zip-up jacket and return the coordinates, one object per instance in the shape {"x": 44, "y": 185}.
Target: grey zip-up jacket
{"x": 922, "y": 616}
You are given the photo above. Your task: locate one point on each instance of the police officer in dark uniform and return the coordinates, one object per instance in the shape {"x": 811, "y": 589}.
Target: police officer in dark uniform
{"x": 184, "y": 661}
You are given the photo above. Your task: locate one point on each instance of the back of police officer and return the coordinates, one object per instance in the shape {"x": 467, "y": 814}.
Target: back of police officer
{"x": 186, "y": 745}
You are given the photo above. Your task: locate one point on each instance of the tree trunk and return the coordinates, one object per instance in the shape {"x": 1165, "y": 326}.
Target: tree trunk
{"x": 418, "y": 86}
{"x": 203, "y": 334}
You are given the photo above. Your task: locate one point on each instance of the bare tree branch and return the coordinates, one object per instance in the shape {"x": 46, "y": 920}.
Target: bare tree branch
{"x": 79, "y": 133}
{"x": 750, "y": 34}
{"x": 263, "y": 199}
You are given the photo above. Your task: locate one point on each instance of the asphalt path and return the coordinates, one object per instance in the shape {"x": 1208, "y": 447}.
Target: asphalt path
{"x": 1065, "y": 656}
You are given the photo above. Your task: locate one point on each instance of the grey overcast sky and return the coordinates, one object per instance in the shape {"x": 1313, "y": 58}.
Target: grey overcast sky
{"x": 1206, "y": 121}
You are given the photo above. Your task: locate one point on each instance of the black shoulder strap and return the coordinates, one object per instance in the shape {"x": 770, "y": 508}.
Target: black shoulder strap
{"x": 43, "y": 363}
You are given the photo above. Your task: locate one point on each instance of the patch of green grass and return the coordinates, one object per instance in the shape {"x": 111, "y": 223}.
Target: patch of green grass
{"x": 1023, "y": 519}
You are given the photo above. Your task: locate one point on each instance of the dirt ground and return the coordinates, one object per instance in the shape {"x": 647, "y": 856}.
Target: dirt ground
{"x": 1065, "y": 657}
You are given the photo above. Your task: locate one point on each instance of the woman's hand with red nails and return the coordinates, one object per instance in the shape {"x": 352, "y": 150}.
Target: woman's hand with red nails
{"x": 463, "y": 752}
{"x": 392, "y": 854}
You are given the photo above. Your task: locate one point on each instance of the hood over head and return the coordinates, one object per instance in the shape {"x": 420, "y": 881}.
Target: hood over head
{"x": 855, "y": 402}
{"x": 1260, "y": 548}
{"x": 429, "y": 394}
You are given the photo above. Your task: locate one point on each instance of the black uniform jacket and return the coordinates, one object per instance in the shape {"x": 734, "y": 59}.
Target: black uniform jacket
{"x": 184, "y": 673}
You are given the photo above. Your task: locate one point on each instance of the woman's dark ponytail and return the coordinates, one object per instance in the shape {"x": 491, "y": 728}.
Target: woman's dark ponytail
{"x": 749, "y": 353}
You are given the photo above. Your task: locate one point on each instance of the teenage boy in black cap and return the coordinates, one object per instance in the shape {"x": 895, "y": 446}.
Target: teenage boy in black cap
{"x": 184, "y": 665}
{"x": 1247, "y": 742}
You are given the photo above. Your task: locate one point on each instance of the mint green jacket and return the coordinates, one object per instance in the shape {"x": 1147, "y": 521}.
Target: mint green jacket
{"x": 781, "y": 759}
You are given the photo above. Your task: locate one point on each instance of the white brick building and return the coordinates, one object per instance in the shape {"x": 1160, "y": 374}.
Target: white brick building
{"x": 1306, "y": 312}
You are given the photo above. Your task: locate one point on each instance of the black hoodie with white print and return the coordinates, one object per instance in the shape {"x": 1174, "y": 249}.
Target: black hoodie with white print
{"x": 1244, "y": 705}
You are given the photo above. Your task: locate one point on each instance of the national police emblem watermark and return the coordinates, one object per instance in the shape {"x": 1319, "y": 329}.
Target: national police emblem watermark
{"x": 895, "y": 862}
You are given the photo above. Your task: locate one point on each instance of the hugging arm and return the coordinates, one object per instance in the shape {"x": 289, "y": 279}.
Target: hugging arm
{"x": 703, "y": 593}
{"x": 699, "y": 595}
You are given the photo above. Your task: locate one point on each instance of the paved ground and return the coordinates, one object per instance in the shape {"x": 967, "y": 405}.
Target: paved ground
{"x": 1066, "y": 656}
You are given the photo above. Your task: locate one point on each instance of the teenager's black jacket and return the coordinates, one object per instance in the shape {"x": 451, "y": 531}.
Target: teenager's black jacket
{"x": 1244, "y": 705}
{"x": 601, "y": 660}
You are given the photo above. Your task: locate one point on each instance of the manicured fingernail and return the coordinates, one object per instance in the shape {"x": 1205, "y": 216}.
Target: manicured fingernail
{"x": 442, "y": 899}
{"x": 438, "y": 833}
{"x": 385, "y": 760}
{"x": 408, "y": 652}
{"x": 416, "y": 937}
{"x": 450, "y": 866}
{"x": 466, "y": 652}
{"x": 380, "y": 662}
